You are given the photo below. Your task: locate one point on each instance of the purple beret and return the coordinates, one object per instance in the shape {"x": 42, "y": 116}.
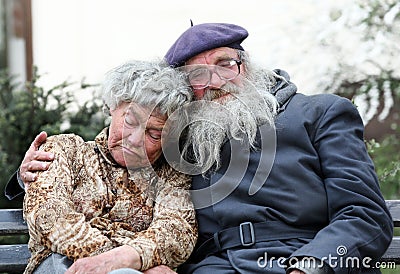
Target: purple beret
{"x": 203, "y": 37}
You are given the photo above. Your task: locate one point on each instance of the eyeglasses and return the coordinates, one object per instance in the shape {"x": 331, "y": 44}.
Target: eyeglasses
{"x": 200, "y": 76}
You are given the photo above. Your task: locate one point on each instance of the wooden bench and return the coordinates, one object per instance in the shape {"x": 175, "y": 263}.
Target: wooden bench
{"x": 14, "y": 257}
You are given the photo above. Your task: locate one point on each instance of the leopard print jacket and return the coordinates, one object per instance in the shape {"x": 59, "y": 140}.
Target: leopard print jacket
{"x": 86, "y": 204}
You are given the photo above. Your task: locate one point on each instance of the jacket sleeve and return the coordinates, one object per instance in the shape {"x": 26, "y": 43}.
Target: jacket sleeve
{"x": 360, "y": 226}
{"x": 15, "y": 187}
{"x": 49, "y": 210}
{"x": 172, "y": 234}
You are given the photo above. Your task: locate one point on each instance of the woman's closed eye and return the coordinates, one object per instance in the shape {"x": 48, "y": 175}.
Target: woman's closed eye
{"x": 154, "y": 134}
{"x": 130, "y": 120}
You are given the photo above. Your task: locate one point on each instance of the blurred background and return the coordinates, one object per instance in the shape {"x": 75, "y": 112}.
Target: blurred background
{"x": 53, "y": 55}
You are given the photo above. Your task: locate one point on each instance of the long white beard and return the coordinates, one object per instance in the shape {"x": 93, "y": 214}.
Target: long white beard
{"x": 237, "y": 118}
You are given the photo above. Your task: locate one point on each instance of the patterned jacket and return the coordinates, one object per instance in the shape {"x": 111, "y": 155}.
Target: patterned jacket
{"x": 86, "y": 204}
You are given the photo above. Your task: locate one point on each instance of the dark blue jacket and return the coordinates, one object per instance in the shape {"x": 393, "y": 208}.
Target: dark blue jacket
{"x": 322, "y": 180}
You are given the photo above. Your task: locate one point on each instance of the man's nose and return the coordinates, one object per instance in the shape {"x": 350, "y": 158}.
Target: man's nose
{"x": 216, "y": 81}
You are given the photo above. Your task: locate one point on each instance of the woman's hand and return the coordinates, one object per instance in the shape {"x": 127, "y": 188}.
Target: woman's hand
{"x": 296, "y": 272}
{"x": 161, "y": 269}
{"x": 119, "y": 257}
{"x": 35, "y": 160}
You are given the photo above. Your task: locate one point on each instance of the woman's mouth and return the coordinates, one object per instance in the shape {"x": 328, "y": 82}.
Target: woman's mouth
{"x": 128, "y": 151}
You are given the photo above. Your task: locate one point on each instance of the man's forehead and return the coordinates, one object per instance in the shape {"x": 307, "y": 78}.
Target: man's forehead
{"x": 212, "y": 54}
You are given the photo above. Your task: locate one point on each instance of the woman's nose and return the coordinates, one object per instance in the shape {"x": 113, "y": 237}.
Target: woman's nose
{"x": 135, "y": 137}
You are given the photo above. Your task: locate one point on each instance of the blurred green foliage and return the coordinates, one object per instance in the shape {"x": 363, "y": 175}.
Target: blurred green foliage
{"x": 386, "y": 157}
{"x": 27, "y": 109}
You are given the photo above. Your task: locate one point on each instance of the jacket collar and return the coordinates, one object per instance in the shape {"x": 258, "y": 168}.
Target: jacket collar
{"x": 102, "y": 145}
{"x": 284, "y": 89}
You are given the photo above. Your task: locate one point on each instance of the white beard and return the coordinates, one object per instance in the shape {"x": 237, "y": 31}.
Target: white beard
{"x": 236, "y": 117}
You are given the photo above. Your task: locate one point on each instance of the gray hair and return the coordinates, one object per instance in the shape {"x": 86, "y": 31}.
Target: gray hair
{"x": 262, "y": 78}
{"x": 151, "y": 84}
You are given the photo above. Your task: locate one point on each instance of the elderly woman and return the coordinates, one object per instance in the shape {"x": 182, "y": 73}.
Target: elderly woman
{"x": 114, "y": 201}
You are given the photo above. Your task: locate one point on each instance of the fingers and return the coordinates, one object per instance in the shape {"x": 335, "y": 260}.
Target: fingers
{"x": 35, "y": 160}
{"x": 37, "y": 155}
{"x": 27, "y": 170}
{"x": 34, "y": 154}
{"x": 28, "y": 177}
{"x": 71, "y": 269}
{"x": 160, "y": 269}
{"x": 39, "y": 140}
{"x": 87, "y": 265}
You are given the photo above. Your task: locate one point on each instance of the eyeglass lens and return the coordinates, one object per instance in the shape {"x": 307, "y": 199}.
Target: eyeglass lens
{"x": 200, "y": 77}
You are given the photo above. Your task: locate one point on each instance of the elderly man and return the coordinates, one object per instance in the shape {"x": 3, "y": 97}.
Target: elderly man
{"x": 312, "y": 204}
{"x": 319, "y": 210}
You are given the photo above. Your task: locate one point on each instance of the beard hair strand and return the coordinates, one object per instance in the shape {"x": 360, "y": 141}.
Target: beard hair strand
{"x": 237, "y": 117}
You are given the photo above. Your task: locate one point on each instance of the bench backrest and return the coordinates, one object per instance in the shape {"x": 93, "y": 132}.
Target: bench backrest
{"x": 13, "y": 258}
{"x": 393, "y": 252}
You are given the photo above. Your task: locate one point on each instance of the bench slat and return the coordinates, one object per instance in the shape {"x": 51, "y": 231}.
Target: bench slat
{"x": 392, "y": 254}
{"x": 14, "y": 258}
{"x": 394, "y": 208}
{"x": 11, "y": 222}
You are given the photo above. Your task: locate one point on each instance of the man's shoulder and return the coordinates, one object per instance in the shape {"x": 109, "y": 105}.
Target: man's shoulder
{"x": 319, "y": 101}
{"x": 322, "y": 98}
{"x": 316, "y": 106}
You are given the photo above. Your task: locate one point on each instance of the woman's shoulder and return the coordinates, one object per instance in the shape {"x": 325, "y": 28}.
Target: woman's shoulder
{"x": 172, "y": 176}
{"x": 65, "y": 143}
{"x": 65, "y": 138}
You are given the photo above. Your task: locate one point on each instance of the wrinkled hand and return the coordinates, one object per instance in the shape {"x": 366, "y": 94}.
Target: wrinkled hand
{"x": 119, "y": 257}
{"x": 161, "y": 269}
{"x": 35, "y": 160}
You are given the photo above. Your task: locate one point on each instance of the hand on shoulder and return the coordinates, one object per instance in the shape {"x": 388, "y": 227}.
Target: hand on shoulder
{"x": 35, "y": 160}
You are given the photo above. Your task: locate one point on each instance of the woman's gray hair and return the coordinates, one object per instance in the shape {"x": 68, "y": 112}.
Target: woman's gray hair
{"x": 150, "y": 84}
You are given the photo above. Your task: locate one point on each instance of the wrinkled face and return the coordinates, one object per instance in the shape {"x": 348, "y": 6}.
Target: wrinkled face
{"x": 135, "y": 135}
{"x": 221, "y": 57}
